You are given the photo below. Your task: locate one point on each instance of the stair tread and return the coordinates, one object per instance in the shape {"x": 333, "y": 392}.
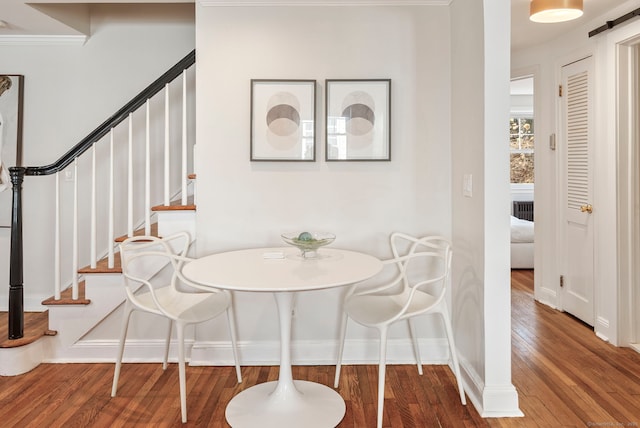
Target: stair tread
{"x": 140, "y": 232}
{"x": 102, "y": 266}
{"x": 176, "y": 206}
{"x": 66, "y": 297}
{"x": 36, "y": 325}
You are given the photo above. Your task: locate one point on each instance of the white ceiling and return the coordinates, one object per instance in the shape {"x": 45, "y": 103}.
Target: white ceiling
{"x": 56, "y": 17}
{"x": 72, "y": 17}
{"x": 525, "y": 33}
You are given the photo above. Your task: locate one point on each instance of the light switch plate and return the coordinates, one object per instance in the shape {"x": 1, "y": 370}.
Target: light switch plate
{"x": 467, "y": 185}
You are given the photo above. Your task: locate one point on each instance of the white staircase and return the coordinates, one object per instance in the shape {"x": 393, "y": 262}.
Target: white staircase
{"x": 141, "y": 155}
{"x": 101, "y": 294}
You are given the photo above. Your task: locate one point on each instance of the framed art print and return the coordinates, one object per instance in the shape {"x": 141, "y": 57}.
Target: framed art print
{"x": 358, "y": 120}
{"x": 283, "y": 120}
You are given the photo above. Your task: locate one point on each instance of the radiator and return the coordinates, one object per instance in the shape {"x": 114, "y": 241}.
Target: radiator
{"x": 523, "y": 210}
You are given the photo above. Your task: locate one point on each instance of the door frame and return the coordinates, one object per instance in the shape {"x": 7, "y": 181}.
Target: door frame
{"x": 626, "y": 50}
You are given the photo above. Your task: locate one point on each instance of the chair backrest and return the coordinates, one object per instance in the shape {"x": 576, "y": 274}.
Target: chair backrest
{"x": 424, "y": 265}
{"x": 145, "y": 258}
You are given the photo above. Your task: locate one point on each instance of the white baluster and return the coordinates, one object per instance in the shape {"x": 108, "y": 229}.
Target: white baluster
{"x": 184, "y": 138}
{"x": 166, "y": 146}
{"x": 195, "y": 183}
{"x": 147, "y": 177}
{"x": 130, "y": 180}
{"x": 56, "y": 250}
{"x": 94, "y": 257}
{"x": 111, "y": 237}
{"x": 74, "y": 267}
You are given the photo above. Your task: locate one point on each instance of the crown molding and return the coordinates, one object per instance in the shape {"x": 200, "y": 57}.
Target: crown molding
{"x": 42, "y": 40}
{"x": 245, "y": 3}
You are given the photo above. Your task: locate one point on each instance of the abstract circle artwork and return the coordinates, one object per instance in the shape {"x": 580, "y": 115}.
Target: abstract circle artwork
{"x": 282, "y": 120}
{"x": 358, "y": 119}
{"x": 358, "y": 109}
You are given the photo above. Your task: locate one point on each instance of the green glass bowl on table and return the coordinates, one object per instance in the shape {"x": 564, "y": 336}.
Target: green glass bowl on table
{"x": 308, "y": 242}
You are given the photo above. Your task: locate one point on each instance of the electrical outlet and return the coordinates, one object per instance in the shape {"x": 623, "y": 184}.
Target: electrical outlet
{"x": 68, "y": 175}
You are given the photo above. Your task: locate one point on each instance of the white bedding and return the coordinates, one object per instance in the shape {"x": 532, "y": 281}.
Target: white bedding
{"x": 521, "y": 243}
{"x": 521, "y": 230}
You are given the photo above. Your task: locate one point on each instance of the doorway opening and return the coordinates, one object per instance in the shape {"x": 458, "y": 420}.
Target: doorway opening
{"x": 522, "y": 136}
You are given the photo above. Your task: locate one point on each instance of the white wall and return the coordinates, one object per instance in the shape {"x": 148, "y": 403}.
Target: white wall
{"x": 69, "y": 91}
{"x": 244, "y": 204}
{"x": 250, "y": 204}
{"x": 547, "y": 60}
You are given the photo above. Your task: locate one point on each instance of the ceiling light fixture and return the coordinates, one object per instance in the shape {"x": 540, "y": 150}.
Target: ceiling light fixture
{"x": 548, "y": 11}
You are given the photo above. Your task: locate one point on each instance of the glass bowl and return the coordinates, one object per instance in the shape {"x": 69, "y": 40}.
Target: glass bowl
{"x": 308, "y": 242}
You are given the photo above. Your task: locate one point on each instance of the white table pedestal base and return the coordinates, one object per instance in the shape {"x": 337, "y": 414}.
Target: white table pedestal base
{"x": 313, "y": 405}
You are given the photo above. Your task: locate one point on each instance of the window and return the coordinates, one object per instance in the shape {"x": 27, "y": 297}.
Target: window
{"x": 521, "y": 145}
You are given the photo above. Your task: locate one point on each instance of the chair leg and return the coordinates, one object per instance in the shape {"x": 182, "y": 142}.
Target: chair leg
{"x": 166, "y": 345}
{"x": 381, "y": 373}
{"x": 454, "y": 356}
{"x": 343, "y": 334}
{"x": 234, "y": 343}
{"x": 181, "y": 372}
{"x": 416, "y": 348}
{"x": 128, "y": 310}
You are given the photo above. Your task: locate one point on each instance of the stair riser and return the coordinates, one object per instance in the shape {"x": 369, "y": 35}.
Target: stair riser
{"x": 19, "y": 360}
{"x": 74, "y": 321}
{"x": 170, "y": 222}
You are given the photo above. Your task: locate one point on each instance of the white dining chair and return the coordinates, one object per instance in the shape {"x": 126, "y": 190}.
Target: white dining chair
{"x": 418, "y": 287}
{"x": 148, "y": 263}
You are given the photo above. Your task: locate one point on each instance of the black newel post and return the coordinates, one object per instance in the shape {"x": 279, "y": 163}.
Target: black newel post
{"x": 16, "y": 298}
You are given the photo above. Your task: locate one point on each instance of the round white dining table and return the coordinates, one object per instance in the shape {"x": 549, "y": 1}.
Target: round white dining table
{"x": 281, "y": 271}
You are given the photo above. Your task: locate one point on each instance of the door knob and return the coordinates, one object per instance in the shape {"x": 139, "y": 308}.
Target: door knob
{"x": 586, "y": 208}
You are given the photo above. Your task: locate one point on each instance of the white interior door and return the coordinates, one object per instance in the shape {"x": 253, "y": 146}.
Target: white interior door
{"x": 577, "y": 294}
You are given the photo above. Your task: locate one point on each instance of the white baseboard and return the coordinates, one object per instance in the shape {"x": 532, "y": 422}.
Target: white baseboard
{"x": 500, "y": 401}
{"x": 432, "y": 351}
{"x": 547, "y": 296}
{"x": 495, "y": 401}
{"x": 310, "y": 352}
{"x": 602, "y": 329}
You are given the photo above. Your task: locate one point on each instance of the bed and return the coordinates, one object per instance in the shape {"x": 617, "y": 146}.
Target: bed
{"x": 521, "y": 243}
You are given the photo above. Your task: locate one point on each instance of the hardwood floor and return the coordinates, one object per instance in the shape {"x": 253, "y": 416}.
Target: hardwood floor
{"x": 565, "y": 376}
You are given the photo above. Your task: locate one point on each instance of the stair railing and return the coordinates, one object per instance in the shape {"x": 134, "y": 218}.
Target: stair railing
{"x": 108, "y": 127}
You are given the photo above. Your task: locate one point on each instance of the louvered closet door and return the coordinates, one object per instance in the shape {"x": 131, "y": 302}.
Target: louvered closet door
{"x": 577, "y": 293}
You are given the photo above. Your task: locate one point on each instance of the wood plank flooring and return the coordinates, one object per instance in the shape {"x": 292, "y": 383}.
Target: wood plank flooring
{"x": 565, "y": 376}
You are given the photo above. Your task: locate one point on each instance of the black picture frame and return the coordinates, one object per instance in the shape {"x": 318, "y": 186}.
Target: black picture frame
{"x": 283, "y": 120}
{"x": 358, "y": 120}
